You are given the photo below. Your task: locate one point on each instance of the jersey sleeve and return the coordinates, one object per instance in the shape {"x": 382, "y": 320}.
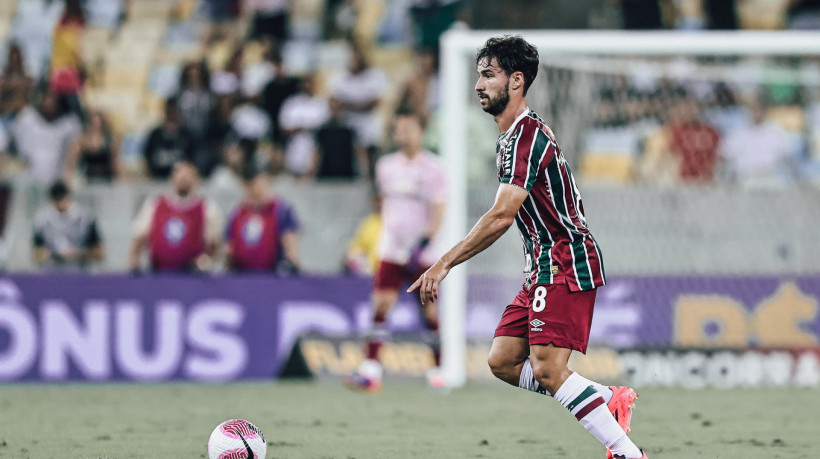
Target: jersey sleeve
{"x": 228, "y": 232}
{"x": 523, "y": 162}
{"x": 438, "y": 191}
{"x": 142, "y": 223}
{"x": 288, "y": 221}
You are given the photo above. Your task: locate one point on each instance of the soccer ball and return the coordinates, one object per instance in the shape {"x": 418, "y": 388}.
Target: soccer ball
{"x": 237, "y": 439}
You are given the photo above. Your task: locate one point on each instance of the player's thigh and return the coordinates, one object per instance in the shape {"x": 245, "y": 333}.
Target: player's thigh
{"x": 387, "y": 281}
{"x": 383, "y": 300}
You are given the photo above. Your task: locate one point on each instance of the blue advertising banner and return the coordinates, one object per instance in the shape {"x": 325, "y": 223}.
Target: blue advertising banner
{"x": 219, "y": 328}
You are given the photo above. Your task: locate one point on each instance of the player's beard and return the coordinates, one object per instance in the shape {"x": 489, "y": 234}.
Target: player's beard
{"x": 497, "y": 104}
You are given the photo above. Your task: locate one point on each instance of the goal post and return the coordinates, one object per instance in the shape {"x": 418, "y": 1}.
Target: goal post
{"x": 458, "y": 48}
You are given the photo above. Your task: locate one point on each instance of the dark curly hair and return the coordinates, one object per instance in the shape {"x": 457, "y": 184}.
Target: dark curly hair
{"x": 513, "y": 54}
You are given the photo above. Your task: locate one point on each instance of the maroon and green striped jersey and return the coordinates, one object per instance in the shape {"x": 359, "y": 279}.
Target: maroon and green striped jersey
{"x": 558, "y": 246}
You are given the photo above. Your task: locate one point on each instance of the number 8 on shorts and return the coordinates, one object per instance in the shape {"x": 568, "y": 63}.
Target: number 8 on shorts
{"x": 539, "y": 301}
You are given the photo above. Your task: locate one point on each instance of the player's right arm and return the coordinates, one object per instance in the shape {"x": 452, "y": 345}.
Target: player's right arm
{"x": 141, "y": 227}
{"x": 486, "y": 231}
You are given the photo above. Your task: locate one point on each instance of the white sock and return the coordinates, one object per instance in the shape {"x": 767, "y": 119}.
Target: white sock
{"x": 605, "y": 391}
{"x": 624, "y": 446}
{"x": 527, "y": 381}
{"x": 579, "y": 396}
{"x": 371, "y": 369}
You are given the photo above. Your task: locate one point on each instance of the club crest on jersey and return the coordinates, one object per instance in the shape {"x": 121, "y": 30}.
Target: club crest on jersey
{"x": 174, "y": 230}
{"x": 252, "y": 230}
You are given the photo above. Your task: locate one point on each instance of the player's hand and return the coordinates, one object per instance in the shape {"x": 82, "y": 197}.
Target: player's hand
{"x": 429, "y": 281}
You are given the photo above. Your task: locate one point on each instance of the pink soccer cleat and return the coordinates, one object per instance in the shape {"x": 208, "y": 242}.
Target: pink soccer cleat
{"x": 621, "y": 405}
{"x": 623, "y": 457}
{"x": 359, "y": 382}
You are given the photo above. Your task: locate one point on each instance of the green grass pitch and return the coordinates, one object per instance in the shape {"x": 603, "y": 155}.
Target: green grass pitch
{"x": 325, "y": 420}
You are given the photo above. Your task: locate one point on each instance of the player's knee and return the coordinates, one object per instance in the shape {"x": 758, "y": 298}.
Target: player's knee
{"x": 548, "y": 374}
{"x": 502, "y": 368}
{"x": 382, "y": 305}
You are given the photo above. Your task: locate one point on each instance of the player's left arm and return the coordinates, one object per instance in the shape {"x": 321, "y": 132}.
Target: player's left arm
{"x": 213, "y": 243}
{"x": 486, "y": 231}
{"x": 289, "y": 225}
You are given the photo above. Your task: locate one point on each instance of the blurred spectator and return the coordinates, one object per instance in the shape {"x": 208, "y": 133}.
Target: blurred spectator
{"x": 360, "y": 90}
{"x": 195, "y": 103}
{"x": 43, "y": 136}
{"x": 362, "y": 257}
{"x": 15, "y": 83}
{"x": 338, "y": 153}
{"x": 804, "y": 14}
{"x": 95, "y": 152}
{"x": 263, "y": 231}
{"x": 689, "y": 15}
{"x": 421, "y": 91}
{"x": 722, "y": 14}
{"x": 760, "y": 153}
{"x": 250, "y": 121}
{"x": 641, "y": 14}
{"x": 34, "y": 26}
{"x": 725, "y": 113}
{"x": 238, "y": 156}
{"x": 257, "y": 75}
{"x": 65, "y": 234}
{"x": 219, "y": 15}
{"x": 194, "y": 97}
{"x": 109, "y": 14}
{"x": 276, "y": 92}
{"x": 168, "y": 143}
{"x": 219, "y": 125}
{"x": 66, "y": 54}
{"x": 432, "y": 18}
{"x": 693, "y": 142}
{"x": 301, "y": 115}
{"x": 226, "y": 81}
{"x": 270, "y": 18}
{"x": 179, "y": 229}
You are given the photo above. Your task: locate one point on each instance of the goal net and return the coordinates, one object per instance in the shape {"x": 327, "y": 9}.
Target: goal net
{"x": 696, "y": 155}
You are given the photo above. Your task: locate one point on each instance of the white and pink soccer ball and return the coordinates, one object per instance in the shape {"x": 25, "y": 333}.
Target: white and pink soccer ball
{"x": 237, "y": 439}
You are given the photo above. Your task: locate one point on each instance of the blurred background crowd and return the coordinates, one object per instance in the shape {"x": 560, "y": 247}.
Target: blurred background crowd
{"x": 111, "y": 101}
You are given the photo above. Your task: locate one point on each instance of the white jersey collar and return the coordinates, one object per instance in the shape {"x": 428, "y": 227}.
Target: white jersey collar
{"x": 517, "y": 120}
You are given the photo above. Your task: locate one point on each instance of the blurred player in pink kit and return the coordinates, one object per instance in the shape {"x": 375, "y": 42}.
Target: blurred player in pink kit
{"x": 413, "y": 189}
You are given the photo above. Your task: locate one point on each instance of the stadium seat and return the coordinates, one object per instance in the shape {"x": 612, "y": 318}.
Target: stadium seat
{"x": 762, "y": 14}
{"x": 153, "y": 9}
{"x": 610, "y": 168}
{"x": 8, "y": 8}
{"x": 791, "y": 118}
{"x": 131, "y": 78}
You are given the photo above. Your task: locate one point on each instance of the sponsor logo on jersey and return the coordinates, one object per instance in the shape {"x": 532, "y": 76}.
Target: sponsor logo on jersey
{"x": 252, "y": 230}
{"x": 536, "y": 324}
{"x": 174, "y": 230}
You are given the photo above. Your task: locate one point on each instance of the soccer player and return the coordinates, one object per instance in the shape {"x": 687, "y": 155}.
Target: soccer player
{"x": 551, "y": 316}
{"x": 413, "y": 191}
{"x": 263, "y": 231}
{"x": 180, "y": 229}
